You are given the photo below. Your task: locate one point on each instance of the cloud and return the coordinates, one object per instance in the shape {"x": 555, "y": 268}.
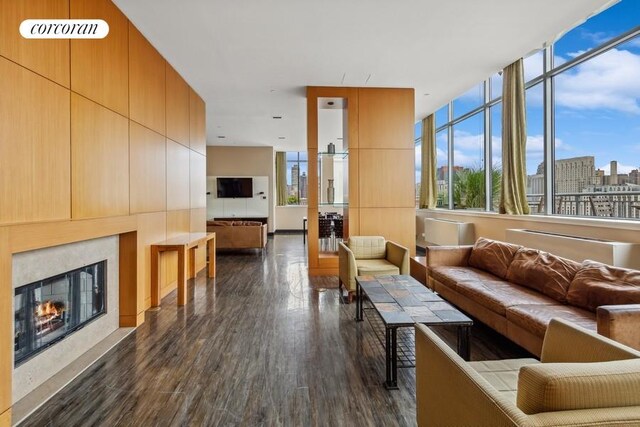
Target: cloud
{"x": 621, "y": 168}
{"x": 609, "y": 81}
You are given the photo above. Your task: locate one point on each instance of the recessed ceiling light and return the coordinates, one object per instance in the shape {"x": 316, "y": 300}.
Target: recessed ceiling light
{"x": 330, "y": 103}
{"x": 427, "y": 94}
{"x": 281, "y": 137}
{"x": 277, "y": 117}
{"x": 272, "y": 90}
{"x": 221, "y": 137}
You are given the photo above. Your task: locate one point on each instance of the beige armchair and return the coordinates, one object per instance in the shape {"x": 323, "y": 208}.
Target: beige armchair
{"x": 582, "y": 379}
{"x": 369, "y": 256}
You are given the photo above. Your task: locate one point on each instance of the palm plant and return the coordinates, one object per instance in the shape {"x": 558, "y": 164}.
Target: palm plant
{"x": 469, "y": 187}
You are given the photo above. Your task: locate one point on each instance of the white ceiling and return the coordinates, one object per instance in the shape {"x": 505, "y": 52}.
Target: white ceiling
{"x": 252, "y": 59}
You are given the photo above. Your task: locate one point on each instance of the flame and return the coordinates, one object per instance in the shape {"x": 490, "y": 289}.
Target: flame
{"x": 49, "y": 308}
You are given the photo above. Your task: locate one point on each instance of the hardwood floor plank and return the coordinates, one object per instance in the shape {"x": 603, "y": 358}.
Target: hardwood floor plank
{"x": 261, "y": 344}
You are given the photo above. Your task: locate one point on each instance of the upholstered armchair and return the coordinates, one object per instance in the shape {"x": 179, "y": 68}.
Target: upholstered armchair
{"x": 582, "y": 379}
{"x": 369, "y": 256}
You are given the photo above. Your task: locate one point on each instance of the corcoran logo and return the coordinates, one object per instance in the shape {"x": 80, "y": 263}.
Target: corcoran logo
{"x": 64, "y": 29}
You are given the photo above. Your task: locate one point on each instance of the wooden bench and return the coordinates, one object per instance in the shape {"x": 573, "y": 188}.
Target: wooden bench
{"x": 183, "y": 244}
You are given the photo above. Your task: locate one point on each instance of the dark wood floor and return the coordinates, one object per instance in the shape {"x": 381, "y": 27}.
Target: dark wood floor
{"x": 261, "y": 345}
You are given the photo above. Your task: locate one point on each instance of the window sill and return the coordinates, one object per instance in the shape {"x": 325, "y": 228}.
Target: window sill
{"x": 623, "y": 224}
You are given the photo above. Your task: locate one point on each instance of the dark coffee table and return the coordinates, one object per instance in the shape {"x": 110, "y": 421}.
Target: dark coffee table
{"x": 401, "y": 301}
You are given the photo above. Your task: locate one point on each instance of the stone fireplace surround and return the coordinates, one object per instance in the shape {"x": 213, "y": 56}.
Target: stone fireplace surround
{"x": 30, "y": 266}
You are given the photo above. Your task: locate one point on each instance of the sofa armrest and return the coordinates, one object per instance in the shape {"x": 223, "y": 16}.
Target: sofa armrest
{"x": 451, "y": 393}
{"x": 398, "y": 256}
{"x": 620, "y": 323}
{"x": 263, "y": 235}
{"x": 448, "y": 255}
{"x": 347, "y": 268}
{"x": 565, "y": 342}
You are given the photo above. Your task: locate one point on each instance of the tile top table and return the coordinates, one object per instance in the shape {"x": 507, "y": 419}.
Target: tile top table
{"x": 402, "y": 301}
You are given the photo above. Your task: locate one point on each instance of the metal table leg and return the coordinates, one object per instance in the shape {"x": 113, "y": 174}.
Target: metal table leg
{"x": 359, "y": 310}
{"x": 391, "y": 353}
{"x": 464, "y": 333}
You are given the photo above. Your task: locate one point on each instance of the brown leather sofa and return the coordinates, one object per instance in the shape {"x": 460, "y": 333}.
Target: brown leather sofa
{"x": 239, "y": 234}
{"x": 517, "y": 291}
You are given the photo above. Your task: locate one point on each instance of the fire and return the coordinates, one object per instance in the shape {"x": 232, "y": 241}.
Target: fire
{"x": 49, "y": 308}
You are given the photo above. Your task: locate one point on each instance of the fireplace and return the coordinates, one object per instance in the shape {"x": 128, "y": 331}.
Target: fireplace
{"x": 48, "y": 310}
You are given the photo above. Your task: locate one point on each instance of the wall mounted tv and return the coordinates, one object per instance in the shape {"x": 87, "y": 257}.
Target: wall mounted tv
{"x": 234, "y": 188}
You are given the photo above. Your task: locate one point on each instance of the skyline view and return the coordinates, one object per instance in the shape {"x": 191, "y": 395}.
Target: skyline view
{"x": 597, "y": 108}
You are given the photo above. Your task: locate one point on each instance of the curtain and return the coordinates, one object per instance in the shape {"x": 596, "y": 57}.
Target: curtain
{"x": 428, "y": 183}
{"x": 281, "y": 178}
{"x": 513, "y": 189}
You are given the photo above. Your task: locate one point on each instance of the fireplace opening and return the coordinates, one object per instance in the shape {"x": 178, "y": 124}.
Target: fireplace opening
{"x": 48, "y": 310}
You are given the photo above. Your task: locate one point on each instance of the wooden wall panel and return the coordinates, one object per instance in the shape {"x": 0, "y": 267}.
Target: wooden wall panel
{"x": 100, "y": 160}
{"x": 396, "y": 224}
{"x": 197, "y": 123}
{"x": 146, "y": 83}
{"x": 100, "y": 68}
{"x": 49, "y": 58}
{"x": 152, "y": 228}
{"x": 131, "y": 299}
{"x": 34, "y": 147}
{"x": 198, "y": 223}
{"x": 177, "y": 176}
{"x": 178, "y": 121}
{"x": 386, "y": 178}
{"x": 386, "y": 118}
{"x": 6, "y": 321}
{"x": 147, "y": 168}
{"x": 198, "y": 180}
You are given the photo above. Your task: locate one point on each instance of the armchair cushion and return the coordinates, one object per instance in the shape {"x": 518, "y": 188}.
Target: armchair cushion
{"x": 599, "y": 284}
{"x": 368, "y": 247}
{"x": 376, "y": 267}
{"x": 568, "y": 386}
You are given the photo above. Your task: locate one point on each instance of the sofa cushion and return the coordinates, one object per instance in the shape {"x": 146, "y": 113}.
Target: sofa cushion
{"x": 498, "y": 295}
{"x": 220, "y": 223}
{"x": 376, "y": 267}
{"x": 368, "y": 247}
{"x": 543, "y": 272}
{"x": 550, "y": 387}
{"x": 450, "y": 276}
{"x": 598, "y": 284}
{"x": 536, "y": 317}
{"x": 493, "y": 256}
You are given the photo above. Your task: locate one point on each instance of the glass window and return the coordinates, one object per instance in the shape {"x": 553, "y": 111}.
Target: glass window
{"x": 496, "y": 154}
{"x": 470, "y": 100}
{"x": 442, "y": 175}
{"x": 442, "y": 116}
{"x": 533, "y": 65}
{"x": 496, "y": 85}
{"x": 297, "y": 177}
{"x": 417, "y": 133}
{"x": 598, "y": 29}
{"x": 468, "y": 160}
{"x": 535, "y": 148}
{"x": 597, "y": 129}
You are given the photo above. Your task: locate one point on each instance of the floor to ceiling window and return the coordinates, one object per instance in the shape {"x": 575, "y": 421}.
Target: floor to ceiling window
{"x": 297, "y": 175}
{"x": 583, "y": 114}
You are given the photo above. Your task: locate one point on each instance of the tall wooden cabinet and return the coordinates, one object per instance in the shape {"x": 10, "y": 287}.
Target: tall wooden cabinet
{"x": 379, "y": 180}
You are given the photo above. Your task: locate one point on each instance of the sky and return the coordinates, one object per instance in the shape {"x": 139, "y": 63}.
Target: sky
{"x": 597, "y": 103}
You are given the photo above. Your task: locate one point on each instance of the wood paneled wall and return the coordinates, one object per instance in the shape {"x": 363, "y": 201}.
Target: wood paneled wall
{"x": 379, "y": 137}
{"x": 97, "y": 137}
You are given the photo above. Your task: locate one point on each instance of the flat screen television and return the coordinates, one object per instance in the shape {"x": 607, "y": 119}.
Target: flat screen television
{"x": 234, "y": 188}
